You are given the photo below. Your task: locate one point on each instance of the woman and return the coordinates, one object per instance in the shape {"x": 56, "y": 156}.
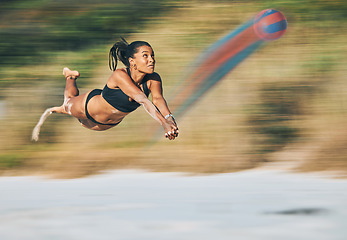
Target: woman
{"x": 125, "y": 91}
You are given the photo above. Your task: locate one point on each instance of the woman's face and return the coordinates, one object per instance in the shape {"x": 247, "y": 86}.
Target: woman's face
{"x": 144, "y": 60}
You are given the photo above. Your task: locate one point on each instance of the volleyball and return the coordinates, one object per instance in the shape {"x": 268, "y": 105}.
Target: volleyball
{"x": 270, "y": 24}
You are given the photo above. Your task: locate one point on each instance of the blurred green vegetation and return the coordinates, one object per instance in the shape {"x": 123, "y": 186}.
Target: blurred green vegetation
{"x": 312, "y": 13}
{"x": 287, "y": 98}
{"x": 271, "y": 118}
{"x": 33, "y": 32}
{"x": 8, "y": 161}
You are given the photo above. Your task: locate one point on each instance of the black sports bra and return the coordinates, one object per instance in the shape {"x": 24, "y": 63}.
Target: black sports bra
{"x": 119, "y": 100}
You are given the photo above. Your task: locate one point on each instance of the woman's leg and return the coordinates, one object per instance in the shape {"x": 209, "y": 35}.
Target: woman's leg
{"x": 73, "y": 102}
{"x": 93, "y": 126}
{"x": 71, "y": 92}
{"x": 71, "y": 89}
{"x": 46, "y": 114}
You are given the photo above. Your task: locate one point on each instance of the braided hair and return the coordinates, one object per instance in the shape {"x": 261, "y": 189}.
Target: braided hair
{"x": 122, "y": 50}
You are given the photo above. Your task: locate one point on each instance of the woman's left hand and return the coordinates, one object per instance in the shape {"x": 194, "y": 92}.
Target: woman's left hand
{"x": 171, "y": 132}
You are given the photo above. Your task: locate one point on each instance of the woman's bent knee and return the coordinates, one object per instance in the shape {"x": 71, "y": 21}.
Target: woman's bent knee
{"x": 58, "y": 110}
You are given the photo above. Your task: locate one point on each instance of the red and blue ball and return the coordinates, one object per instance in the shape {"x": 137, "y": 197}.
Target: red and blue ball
{"x": 270, "y": 24}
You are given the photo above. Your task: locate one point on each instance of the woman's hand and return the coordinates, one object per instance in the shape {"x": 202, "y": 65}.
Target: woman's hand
{"x": 170, "y": 128}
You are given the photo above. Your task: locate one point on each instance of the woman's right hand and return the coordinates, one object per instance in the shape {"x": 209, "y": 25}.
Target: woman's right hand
{"x": 170, "y": 128}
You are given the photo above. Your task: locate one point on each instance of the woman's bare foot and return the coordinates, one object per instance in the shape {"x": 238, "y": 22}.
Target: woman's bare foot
{"x": 70, "y": 74}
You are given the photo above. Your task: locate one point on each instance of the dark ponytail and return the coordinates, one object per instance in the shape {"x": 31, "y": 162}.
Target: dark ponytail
{"x": 118, "y": 51}
{"x": 122, "y": 50}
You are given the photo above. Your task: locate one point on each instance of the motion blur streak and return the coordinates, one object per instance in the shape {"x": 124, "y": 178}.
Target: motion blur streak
{"x": 221, "y": 58}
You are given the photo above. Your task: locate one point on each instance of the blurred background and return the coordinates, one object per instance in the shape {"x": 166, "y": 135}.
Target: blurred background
{"x": 284, "y": 104}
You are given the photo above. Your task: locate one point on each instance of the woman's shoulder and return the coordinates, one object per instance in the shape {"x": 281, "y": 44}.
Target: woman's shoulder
{"x": 120, "y": 72}
{"x": 116, "y": 76}
{"x": 154, "y": 77}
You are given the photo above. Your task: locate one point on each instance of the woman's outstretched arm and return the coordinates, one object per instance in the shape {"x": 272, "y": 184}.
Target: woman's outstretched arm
{"x": 159, "y": 100}
{"x": 128, "y": 87}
